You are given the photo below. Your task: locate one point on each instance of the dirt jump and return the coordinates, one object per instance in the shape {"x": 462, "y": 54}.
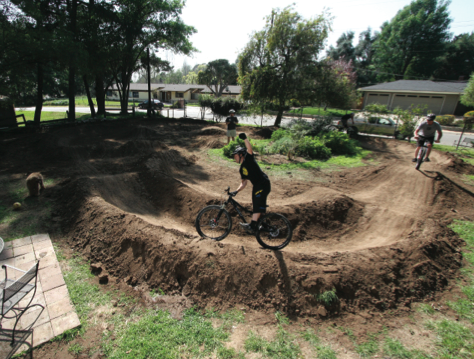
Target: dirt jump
{"x": 128, "y": 192}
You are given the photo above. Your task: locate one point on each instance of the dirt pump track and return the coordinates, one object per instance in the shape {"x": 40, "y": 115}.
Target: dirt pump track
{"x": 131, "y": 190}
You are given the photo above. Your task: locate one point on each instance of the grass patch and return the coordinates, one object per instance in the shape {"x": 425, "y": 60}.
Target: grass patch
{"x": 368, "y": 348}
{"x": 320, "y": 111}
{"x": 394, "y": 349}
{"x": 281, "y": 347}
{"x": 33, "y": 216}
{"x": 323, "y": 351}
{"x": 83, "y": 101}
{"x": 157, "y": 335}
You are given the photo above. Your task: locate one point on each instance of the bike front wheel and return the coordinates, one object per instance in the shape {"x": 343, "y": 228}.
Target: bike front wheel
{"x": 274, "y": 231}
{"x": 420, "y": 158}
{"x": 213, "y": 222}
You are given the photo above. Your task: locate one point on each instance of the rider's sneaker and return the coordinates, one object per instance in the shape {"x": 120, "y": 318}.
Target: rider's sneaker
{"x": 248, "y": 228}
{"x": 413, "y": 160}
{"x": 427, "y": 160}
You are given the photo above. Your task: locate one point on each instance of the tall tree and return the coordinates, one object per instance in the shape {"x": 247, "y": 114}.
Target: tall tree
{"x": 141, "y": 24}
{"x": 467, "y": 98}
{"x": 344, "y": 47}
{"x": 364, "y": 53}
{"x": 410, "y": 45}
{"x": 280, "y": 59}
{"x": 218, "y": 75}
{"x": 458, "y": 61}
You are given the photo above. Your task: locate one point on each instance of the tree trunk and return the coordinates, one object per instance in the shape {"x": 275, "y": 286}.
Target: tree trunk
{"x": 100, "y": 95}
{"x": 124, "y": 99}
{"x": 278, "y": 118}
{"x": 72, "y": 67}
{"x": 89, "y": 98}
{"x": 39, "y": 95}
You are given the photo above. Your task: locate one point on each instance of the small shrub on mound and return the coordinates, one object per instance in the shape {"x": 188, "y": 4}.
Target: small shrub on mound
{"x": 278, "y": 134}
{"x": 376, "y": 108}
{"x": 284, "y": 145}
{"x": 313, "y": 148}
{"x": 446, "y": 120}
{"x": 228, "y": 149}
{"x": 340, "y": 144}
{"x": 469, "y": 114}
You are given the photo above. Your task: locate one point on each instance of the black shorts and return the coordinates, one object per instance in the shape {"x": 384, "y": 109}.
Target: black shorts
{"x": 260, "y": 193}
{"x": 344, "y": 123}
{"x": 422, "y": 140}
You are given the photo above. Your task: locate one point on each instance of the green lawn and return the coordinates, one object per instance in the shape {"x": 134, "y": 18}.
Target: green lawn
{"x": 82, "y": 101}
{"x": 320, "y": 111}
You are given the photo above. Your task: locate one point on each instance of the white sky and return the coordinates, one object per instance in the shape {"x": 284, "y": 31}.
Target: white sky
{"x": 224, "y": 27}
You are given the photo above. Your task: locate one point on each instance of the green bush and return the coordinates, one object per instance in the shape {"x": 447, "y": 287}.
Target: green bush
{"x": 283, "y": 146}
{"x": 339, "y": 143}
{"x": 280, "y": 133}
{"x": 469, "y": 114}
{"x": 376, "y": 108}
{"x": 228, "y": 149}
{"x": 372, "y": 119}
{"x": 313, "y": 148}
{"x": 446, "y": 120}
{"x": 221, "y": 106}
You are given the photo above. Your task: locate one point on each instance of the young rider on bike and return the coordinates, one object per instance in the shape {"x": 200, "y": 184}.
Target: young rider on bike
{"x": 250, "y": 170}
{"x": 427, "y": 131}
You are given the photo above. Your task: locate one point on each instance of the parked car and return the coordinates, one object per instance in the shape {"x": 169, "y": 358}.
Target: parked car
{"x": 376, "y": 126}
{"x": 155, "y": 104}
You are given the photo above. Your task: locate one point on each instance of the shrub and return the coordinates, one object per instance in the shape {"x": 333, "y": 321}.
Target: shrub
{"x": 446, "y": 120}
{"x": 228, "y": 149}
{"x": 284, "y": 146}
{"x": 340, "y": 144}
{"x": 313, "y": 148}
{"x": 376, "y": 108}
{"x": 221, "y": 106}
{"x": 469, "y": 114}
{"x": 372, "y": 119}
{"x": 280, "y": 133}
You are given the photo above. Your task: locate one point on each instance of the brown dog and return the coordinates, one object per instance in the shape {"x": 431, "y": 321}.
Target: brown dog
{"x": 34, "y": 182}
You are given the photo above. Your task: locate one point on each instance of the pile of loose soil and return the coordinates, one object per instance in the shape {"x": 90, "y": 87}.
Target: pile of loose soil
{"x": 130, "y": 193}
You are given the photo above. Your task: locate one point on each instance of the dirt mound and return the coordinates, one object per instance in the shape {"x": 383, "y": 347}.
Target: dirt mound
{"x": 377, "y": 235}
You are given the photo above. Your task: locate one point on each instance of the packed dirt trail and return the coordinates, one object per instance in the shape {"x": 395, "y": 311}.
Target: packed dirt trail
{"x": 128, "y": 195}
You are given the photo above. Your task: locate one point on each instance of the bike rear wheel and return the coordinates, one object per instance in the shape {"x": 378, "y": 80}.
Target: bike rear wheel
{"x": 274, "y": 231}
{"x": 213, "y": 222}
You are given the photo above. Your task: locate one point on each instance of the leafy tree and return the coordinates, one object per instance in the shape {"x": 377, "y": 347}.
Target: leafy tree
{"x": 411, "y": 43}
{"x": 467, "y": 97}
{"x": 344, "y": 48}
{"x": 364, "y": 53}
{"x": 218, "y": 75}
{"x": 191, "y": 78}
{"x": 142, "y": 24}
{"x": 281, "y": 61}
{"x": 458, "y": 60}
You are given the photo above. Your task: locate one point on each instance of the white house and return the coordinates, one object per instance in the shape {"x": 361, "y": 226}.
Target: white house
{"x": 170, "y": 92}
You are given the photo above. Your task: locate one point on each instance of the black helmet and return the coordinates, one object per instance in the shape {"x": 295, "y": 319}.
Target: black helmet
{"x": 431, "y": 116}
{"x": 239, "y": 151}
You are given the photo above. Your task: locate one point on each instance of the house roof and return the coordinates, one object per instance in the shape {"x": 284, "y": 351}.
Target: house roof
{"x": 176, "y": 87}
{"x": 424, "y": 86}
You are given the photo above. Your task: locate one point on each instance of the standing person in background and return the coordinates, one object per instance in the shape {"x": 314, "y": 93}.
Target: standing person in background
{"x": 346, "y": 118}
{"x": 231, "y": 122}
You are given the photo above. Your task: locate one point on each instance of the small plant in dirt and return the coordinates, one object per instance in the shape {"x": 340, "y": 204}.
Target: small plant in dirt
{"x": 328, "y": 298}
{"x": 75, "y": 349}
{"x": 283, "y": 346}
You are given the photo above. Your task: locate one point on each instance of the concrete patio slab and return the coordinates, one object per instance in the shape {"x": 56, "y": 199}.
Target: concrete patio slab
{"x": 36, "y": 324}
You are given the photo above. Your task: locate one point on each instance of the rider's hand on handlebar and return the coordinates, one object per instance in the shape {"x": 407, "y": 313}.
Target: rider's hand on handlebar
{"x": 437, "y": 141}
{"x": 233, "y": 194}
{"x": 242, "y": 136}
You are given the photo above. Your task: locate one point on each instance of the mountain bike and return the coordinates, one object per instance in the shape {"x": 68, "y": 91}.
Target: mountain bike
{"x": 421, "y": 155}
{"x": 214, "y": 222}
{"x": 351, "y": 131}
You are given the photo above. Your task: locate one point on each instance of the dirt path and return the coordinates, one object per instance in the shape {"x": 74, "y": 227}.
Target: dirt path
{"x": 130, "y": 193}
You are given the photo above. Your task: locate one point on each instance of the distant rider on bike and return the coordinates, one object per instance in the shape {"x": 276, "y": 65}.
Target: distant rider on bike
{"x": 427, "y": 130}
{"x": 250, "y": 170}
{"x": 345, "y": 119}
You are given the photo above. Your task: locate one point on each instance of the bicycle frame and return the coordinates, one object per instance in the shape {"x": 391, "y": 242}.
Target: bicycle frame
{"x": 237, "y": 206}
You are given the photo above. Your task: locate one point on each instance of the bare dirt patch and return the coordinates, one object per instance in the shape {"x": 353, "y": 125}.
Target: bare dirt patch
{"x": 129, "y": 193}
